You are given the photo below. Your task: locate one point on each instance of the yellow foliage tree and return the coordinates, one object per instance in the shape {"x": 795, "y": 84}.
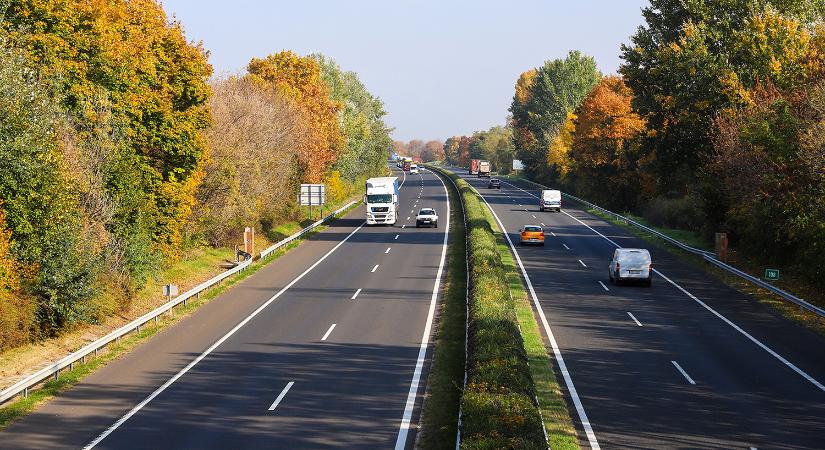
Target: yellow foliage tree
{"x": 299, "y": 79}
{"x": 558, "y": 151}
{"x": 16, "y": 310}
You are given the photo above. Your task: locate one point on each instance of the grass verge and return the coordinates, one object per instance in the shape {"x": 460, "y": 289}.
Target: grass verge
{"x": 19, "y": 407}
{"x": 446, "y": 376}
{"x": 499, "y": 400}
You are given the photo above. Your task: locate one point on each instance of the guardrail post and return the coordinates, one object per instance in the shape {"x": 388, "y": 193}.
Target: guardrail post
{"x": 198, "y": 296}
{"x": 56, "y": 374}
{"x": 25, "y": 392}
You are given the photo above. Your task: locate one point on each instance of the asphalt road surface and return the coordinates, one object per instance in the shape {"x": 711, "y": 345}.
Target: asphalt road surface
{"x": 686, "y": 363}
{"x": 325, "y": 347}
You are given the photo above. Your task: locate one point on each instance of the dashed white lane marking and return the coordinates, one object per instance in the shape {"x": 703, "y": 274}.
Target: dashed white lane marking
{"x": 605, "y": 287}
{"x": 396, "y": 237}
{"x": 554, "y": 234}
{"x": 326, "y": 335}
{"x": 388, "y": 250}
{"x": 281, "y": 395}
{"x": 408, "y": 217}
{"x": 634, "y": 318}
{"x": 565, "y": 246}
{"x": 355, "y": 294}
{"x": 582, "y": 263}
{"x": 682, "y": 371}
{"x": 534, "y": 216}
{"x": 403, "y": 226}
{"x": 374, "y": 269}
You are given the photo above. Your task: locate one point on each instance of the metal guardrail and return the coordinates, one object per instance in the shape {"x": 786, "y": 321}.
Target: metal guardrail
{"x": 53, "y": 370}
{"x": 706, "y": 255}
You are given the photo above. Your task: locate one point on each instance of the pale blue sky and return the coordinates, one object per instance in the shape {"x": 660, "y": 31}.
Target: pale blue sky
{"x": 442, "y": 68}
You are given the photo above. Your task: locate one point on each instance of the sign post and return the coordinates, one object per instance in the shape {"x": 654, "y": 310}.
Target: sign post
{"x": 313, "y": 194}
{"x": 722, "y": 246}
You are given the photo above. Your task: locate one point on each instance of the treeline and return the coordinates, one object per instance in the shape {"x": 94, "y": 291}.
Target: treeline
{"x": 494, "y": 145}
{"x": 715, "y": 123}
{"x": 427, "y": 151}
{"x": 118, "y": 152}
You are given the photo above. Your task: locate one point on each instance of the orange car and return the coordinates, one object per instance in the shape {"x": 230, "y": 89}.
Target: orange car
{"x": 532, "y": 234}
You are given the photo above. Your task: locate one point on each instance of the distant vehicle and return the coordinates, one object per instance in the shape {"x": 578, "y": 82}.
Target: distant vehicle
{"x": 407, "y": 165}
{"x": 630, "y": 264}
{"x": 426, "y": 216}
{"x": 413, "y": 168}
{"x": 532, "y": 234}
{"x": 494, "y": 183}
{"x": 483, "y": 169}
{"x": 550, "y": 200}
{"x": 474, "y": 166}
{"x": 381, "y": 198}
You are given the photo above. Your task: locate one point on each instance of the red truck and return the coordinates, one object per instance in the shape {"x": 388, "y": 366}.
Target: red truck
{"x": 407, "y": 164}
{"x": 474, "y": 166}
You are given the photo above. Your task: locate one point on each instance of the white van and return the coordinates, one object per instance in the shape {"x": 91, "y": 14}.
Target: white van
{"x": 630, "y": 264}
{"x": 550, "y": 199}
{"x": 413, "y": 169}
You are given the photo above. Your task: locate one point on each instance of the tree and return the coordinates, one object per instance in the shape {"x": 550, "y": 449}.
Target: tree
{"x": 251, "y": 176}
{"x": 692, "y": 59}
{"x": 607, "y": 159}
{"x": 299, "y": 79}
{"x": 433, "y": 151}
{"x": 451, "y": 152}
{"x": 366, "y": 136}
{"x": 557, "y": 88}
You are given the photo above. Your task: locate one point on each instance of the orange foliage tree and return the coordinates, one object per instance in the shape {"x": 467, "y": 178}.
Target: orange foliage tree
{"x": 606, "y": 153}
{"x": 299, "y": 79}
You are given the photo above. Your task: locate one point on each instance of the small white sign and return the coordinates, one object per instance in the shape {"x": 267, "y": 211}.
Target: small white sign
{"x": 312, "y": 195}
{"x": 170, "y": 290}
{"x": 518, "y": 165}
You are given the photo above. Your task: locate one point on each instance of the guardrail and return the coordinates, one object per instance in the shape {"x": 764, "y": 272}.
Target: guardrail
{"x": 706, "y": 255}
{"x": 53, "y": 370}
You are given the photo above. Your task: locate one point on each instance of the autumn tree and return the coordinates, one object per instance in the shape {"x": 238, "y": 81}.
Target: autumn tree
{"x": 433, "y": 151}
{"x": 298, "y": 79}
{"x": 608, "y": 161}
{"x": 451, "y": 153}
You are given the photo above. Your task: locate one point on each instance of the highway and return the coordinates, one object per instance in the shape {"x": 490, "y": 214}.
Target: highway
{"x": 327, "y": 346}
{"x": 686, "y": 363}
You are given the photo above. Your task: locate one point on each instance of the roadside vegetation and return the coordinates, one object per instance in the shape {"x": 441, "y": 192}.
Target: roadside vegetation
{"x": 714, "y": 123}
{"x": 121, "y": 156}
{"x": 508, "y": 368}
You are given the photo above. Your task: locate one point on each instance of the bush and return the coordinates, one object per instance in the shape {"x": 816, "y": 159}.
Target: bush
{"x": 683, "y": 213}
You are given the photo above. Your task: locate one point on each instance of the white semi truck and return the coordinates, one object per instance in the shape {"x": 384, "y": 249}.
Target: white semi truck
{"x": 381, "y": 198}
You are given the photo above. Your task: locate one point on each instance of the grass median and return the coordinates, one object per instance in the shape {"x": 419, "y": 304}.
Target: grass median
{"x": 499, "y": 401}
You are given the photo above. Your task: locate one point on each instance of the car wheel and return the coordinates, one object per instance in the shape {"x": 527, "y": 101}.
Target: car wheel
{"x": 435, "y": 224}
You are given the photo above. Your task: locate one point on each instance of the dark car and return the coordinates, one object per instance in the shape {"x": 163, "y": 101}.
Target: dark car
{"x": 494, "y": 183}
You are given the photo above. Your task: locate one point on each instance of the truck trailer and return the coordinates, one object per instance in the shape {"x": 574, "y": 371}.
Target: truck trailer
{"x": 381, "y": 198}
{"x": 474, "y": 166}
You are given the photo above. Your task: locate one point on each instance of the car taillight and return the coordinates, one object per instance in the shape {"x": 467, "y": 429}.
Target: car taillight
{"x": 618, "y": 266}
{"x": 650, "y": 266}
{"x": 541, "y": 234}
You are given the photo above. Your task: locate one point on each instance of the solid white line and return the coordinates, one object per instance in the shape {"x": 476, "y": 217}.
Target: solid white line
{"x": 404, "y": 428}
{"x": 565, "y": 246}
{"x": 634, "y": 318}
{"x": 282, "y": 394}
{"x": 388, "y": 250}
{"x": 355, "y": 294}
{"x": 605, "y": 287}
{"x": 568, "y": 380}
{"x": 326, "y": 335}
{"x": 582, "y": 263}
{"x": 396, "y": 236}
{"x": 374, "y": 269}
{"x": 789, "y": 364}
{"x": 682, "y": 371}
{"x": 212, "y": 347}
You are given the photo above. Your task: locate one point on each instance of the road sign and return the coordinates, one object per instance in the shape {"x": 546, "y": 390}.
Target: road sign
{"x": 772, "y": 274}
{"x": 312, "y": 195}
{"x": 170, "y": 290}
{"x": 518, "y": 165}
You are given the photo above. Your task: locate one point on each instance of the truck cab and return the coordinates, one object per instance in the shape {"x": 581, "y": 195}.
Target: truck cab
{"x": 381, "y": 199}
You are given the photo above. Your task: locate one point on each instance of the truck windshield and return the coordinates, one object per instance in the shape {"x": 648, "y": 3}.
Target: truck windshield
{"x": 379, "y": 198}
